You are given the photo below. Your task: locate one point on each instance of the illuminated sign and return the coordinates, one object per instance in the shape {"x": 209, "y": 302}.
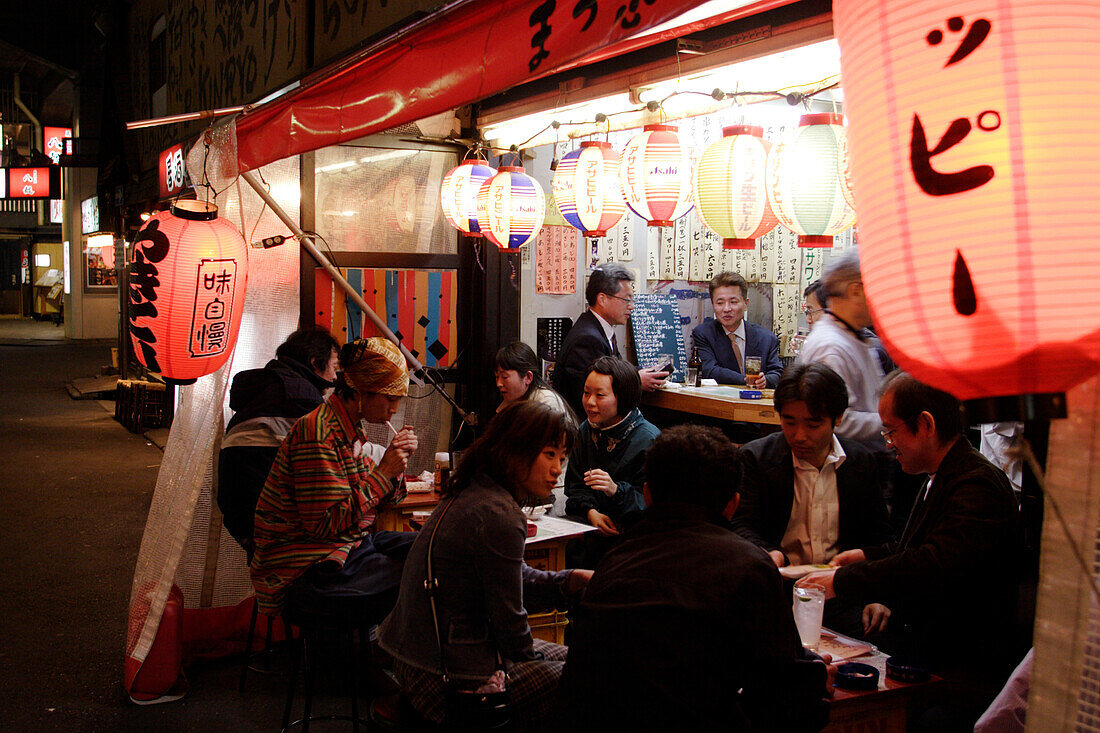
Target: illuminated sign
{"x": 89, "y": 215}
{"x": 43, "y": 182}
{"x": 53, "y": 142}
{"x": 172, "y": 172}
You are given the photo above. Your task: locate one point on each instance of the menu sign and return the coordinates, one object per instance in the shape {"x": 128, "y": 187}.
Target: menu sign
{"x": 656, "y": 332}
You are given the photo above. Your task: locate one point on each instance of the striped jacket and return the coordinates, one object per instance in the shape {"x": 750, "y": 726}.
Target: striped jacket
{"x": 319, "y": 501}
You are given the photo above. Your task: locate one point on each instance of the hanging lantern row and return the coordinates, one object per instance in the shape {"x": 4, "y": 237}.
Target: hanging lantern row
{"x": 187, "y": 288}
{"x": 743, "y": 187}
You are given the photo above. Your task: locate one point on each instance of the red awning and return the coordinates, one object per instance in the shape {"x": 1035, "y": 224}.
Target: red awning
{"x": 470, "y": 50}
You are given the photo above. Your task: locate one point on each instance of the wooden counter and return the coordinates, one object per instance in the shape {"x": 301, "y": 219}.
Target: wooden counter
{"x": 721, "y": 402}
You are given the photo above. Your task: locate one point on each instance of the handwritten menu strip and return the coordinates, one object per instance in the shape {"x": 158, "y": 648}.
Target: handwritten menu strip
{"x": 786, "y": 303}
{"x": 652, "y": 253}
{"x": 556, "y": 260}
{"x": 655, "y": 330}
{"x": 766, "y": 246}
{"x": 666, "y": 236}
{"x": 788, "y": 256}
{"x": 712, "y": 255}
{"x": 683, "y": 252}
{"x": 697, "y": 245}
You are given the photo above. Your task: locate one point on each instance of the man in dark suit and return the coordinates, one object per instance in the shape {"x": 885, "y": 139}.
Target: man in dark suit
{"x": 945, "y": 591}
{"x": 610, "y": 301}
{"x": 724, "y": 341}
{"x": 807, "y": 494}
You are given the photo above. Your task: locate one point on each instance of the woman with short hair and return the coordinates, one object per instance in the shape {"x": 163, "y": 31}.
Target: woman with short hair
{"x": 604, "y": 481}
{"x": 477, "y": 560}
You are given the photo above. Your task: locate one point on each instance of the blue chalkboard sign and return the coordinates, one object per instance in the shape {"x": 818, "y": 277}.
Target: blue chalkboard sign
{"x": 656, "y": 332}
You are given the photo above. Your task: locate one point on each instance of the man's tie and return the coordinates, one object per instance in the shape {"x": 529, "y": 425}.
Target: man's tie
{"x": 615, "y": 344}
{"x": 737, "y": 353}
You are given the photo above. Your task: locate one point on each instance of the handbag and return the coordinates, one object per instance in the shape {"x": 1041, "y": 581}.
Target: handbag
{"x": 465, "y": 710}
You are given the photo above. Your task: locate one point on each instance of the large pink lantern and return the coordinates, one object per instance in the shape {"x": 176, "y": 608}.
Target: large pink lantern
{"x": 730, "y": 195}
{"x": 587, "y": 188}
{"x": 510, "y": 208}
{"x": 458, "y": 195}
{"x": 187, "y": 287}
{"x": 656, "y": 175}
{"x": 974, "y": 167}
{"x": 804, "y": 181}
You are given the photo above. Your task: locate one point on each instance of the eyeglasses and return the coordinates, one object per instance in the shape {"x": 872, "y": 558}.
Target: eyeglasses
{"x": 812, "y": 311}
{"x": 628, "y": 301}
{"x": 887, "y": 435}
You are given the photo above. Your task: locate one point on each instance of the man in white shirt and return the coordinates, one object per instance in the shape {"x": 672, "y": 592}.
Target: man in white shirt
{"x": 807, "y": 494}
{"x": 610, "y": 301}
{"x": 836, "y": 341}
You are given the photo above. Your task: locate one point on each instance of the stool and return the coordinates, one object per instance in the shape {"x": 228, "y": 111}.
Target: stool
{"x": 267, "y": 652}
{"x": 395, "y": 713}
{"x": 317, "y": 617}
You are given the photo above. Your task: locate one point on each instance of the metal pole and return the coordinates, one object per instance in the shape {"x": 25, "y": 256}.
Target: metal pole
{"x": 206, "y": 114}
{"x": 307, "y": 243}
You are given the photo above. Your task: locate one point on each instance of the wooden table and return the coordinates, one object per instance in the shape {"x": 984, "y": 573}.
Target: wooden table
{"x": 721, "y": 402}
{"x": 544, "y": 551}
{"x": 885, "y": 710}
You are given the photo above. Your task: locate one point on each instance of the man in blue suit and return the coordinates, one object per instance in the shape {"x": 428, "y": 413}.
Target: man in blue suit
{"x": 724, "y": 341}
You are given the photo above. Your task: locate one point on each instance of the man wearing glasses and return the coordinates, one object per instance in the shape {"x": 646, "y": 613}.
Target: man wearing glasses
{"x": 610, "y": 301}
{"x": 945, "y": 592}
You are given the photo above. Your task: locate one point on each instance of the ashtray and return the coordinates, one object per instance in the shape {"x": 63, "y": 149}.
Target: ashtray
{"x": 906, "y": 670}
{"x": 856, "y": 676}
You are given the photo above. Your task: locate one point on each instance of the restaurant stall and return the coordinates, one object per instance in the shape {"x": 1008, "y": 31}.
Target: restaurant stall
{"x": 552, "y": 78}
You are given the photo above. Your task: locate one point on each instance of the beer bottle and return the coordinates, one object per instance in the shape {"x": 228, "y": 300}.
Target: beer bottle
{"x": 695, "y": 370}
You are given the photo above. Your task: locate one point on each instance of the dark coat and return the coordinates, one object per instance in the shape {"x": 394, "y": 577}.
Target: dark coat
{"x": 619, "y": 450}
{"x": 478, "y": 561}
{"x": 952, "y": 576}
{"x": 584, "y": 343}
{"x": 716, "y": 352}
{"x": 285, "y": 389}
{"x": 678, "y": 618}
{"x": 767, "y": 495}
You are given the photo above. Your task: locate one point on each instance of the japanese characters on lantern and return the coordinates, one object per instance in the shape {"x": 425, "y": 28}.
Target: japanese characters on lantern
{"x": 974, "y": 171}
{"x": 730, "y": 194}
{"x": 187, "y": 286}
{"x": 587, "y": 190}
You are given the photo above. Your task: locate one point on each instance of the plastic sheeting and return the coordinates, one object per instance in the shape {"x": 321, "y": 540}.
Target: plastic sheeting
{"x": 184, "y": 542}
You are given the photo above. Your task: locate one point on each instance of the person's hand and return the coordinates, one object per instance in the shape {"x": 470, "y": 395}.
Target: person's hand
{"x": 824, "y": 579}
{"x": 652, "y": 379}
{"x": 396, "y": 458}
{"x": 576, "y": 581}
{"x": 830, "y": 674}
{"x": 602, "y": 522}
{"x": 875, "y": 618}
{"x": 778, "y": 558}
{"x": 600, "y": 480}
{"x": 847, "y": 557}
{"x": 756, "y": 381}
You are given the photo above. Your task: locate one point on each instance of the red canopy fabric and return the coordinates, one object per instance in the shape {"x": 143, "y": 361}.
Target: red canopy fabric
{"x": 469, "y": 51}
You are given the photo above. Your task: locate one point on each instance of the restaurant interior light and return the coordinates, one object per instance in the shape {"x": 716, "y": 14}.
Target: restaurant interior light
{"x": 458, "y": 195}
{"x": 587, "y": 189}
{"x": 730, "y": 194}
{"x": 510, "y": 208}
{"x": 656, "y": 175}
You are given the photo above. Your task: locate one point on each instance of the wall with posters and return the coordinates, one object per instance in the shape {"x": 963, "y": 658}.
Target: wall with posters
{"x": 680, "y": 259}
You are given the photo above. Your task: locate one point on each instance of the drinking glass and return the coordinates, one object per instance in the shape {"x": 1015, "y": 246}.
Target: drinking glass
{"x": 809, "y": 606}
{"x": 752, "y": 368}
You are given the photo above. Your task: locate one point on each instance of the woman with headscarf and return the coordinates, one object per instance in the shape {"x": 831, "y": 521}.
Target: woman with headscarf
{"x": 317, "y": 509}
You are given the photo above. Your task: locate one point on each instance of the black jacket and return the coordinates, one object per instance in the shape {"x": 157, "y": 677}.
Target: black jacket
{"x": 679, "y": 617}
{"x": 584, "y": 343}
{"x": 952, "y": 576}
{"x": 767, "y": 495}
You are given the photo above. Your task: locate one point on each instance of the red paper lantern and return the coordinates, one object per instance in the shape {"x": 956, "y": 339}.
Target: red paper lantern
{"x": 974, "y": 167}
{"x": 187, "y": 286}
{"x": 804, "y": 181}
{"x": 510, "y": 208}
{"x": 587, "y": 188}
{"x": 730, "y": 195}
{"x": 656, "y": 175}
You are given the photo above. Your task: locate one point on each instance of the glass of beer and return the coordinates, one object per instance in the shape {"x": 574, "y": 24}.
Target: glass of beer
{"x": 752, "y": 370}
